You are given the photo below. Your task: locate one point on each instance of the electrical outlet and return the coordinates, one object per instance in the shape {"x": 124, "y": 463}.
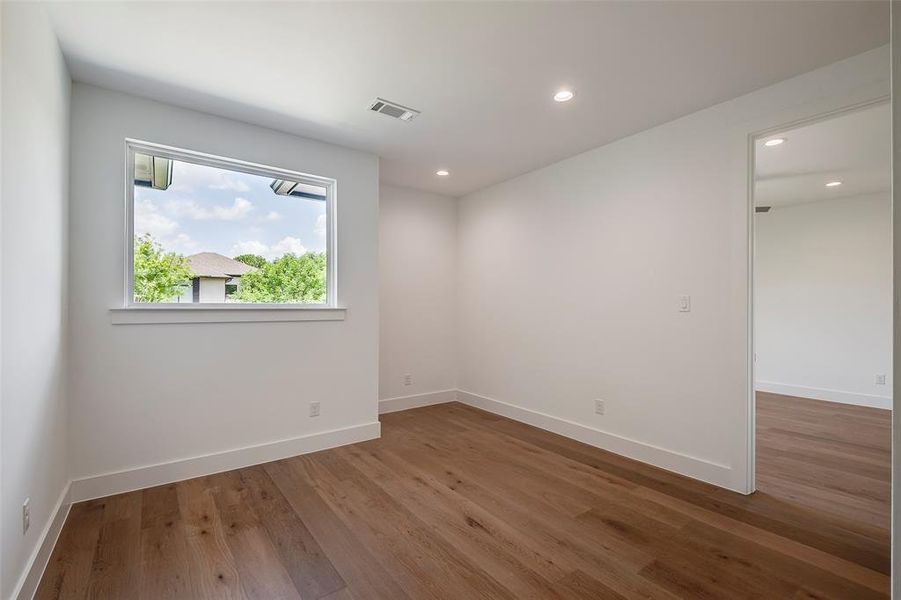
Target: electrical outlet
{"x": 880, "y": 379}
{"x": 314, "y": 409}
{"x": 408, "y": 379}
{"x": 26, "y": 515}
{"x": 684, "y": 303}
{"x": 599, "y": 407}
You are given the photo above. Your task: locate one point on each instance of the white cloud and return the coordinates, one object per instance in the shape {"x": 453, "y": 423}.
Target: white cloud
{"x": 148, "y": 219}
{"x": 180, "y": 243}
{"x": 227, "y": 183}
{"x": 272, "y": 216}
{"x": 188, "y": 208}
{"x": 188, "y": 177}
{"x": 287, "y": 245}
{"x": 238, "y": 210}
{"x": 250, "y": 247}
{"x": 320, "y": 225}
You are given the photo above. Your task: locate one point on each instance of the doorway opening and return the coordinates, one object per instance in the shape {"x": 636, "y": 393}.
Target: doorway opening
{"x": 822, "y": 323}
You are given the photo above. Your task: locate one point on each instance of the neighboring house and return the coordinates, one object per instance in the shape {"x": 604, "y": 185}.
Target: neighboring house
{"x": 215, "y": 276}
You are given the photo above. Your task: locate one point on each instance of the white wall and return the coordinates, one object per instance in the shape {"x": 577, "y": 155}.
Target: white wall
{"x": 823, "y": 307}
{"x": 35, "y": 135}
{"x": 417, "y": 266}
{"x": 147, "y": 394}
{"x": 569, "y": 279}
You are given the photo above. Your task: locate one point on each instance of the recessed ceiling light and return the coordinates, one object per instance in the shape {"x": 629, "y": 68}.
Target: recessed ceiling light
{"x": 774, "y": 142}
{"x": 833, "y": 183}
{"x": 564, "y": 96}
{"x": 442, "y": 173}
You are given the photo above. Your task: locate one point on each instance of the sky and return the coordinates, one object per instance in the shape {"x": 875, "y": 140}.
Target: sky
{"x": 207, "y": 209}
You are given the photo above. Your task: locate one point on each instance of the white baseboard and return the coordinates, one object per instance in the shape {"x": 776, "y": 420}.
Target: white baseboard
{"x": 871, "y": 400}
{"x": 683, "y": 464}
{"x": 107, "y": 484}
{"x": 390, "y": 405}
{"x": 37, "y": 562}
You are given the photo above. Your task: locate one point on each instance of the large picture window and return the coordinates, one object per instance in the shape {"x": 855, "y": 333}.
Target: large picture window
{"x": 215, "y": 231}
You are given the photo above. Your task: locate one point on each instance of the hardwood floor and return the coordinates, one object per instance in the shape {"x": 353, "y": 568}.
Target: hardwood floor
{"x": 828, "y": 457}
{"x": 455, "y": 503}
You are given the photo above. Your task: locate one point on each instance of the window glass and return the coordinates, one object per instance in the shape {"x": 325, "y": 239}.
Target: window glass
{"x": 207, "y": 234}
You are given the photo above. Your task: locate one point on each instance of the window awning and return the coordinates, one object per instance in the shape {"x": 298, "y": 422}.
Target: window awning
{"x": 153, "y": 171}
{"x": 284, "y": 187}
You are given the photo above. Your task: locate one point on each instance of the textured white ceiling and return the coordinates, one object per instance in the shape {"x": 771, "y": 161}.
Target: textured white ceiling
{"x": 482, "y": 73}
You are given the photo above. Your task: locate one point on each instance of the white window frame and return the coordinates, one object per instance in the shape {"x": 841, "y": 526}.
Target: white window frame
{"x": 132, "y": 312}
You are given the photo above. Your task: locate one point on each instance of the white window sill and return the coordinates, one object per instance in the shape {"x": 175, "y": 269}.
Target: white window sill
{"x": 141, "y": 315}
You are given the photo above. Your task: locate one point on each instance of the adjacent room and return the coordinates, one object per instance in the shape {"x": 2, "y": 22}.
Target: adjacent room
{"x": 823, "y": 319}
{"x": 443, "y": 300}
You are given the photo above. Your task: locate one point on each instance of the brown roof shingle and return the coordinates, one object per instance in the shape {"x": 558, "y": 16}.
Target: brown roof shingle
{"x": 211, "y": 264}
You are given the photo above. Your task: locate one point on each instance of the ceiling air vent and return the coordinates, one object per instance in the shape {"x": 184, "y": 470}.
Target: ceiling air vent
{"x": 392, "y": 109}
{"x": 762, "y": 208}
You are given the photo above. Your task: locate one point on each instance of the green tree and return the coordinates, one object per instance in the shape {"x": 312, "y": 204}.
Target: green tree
{"x": 288, "y": 279}
{"x": 158, "y": 274}
{"x": 254, "y": 260}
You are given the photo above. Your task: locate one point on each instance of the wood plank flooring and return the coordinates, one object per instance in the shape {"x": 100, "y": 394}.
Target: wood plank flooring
{"x": 829, "y": 457}
{"x": 455, "y": 503}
